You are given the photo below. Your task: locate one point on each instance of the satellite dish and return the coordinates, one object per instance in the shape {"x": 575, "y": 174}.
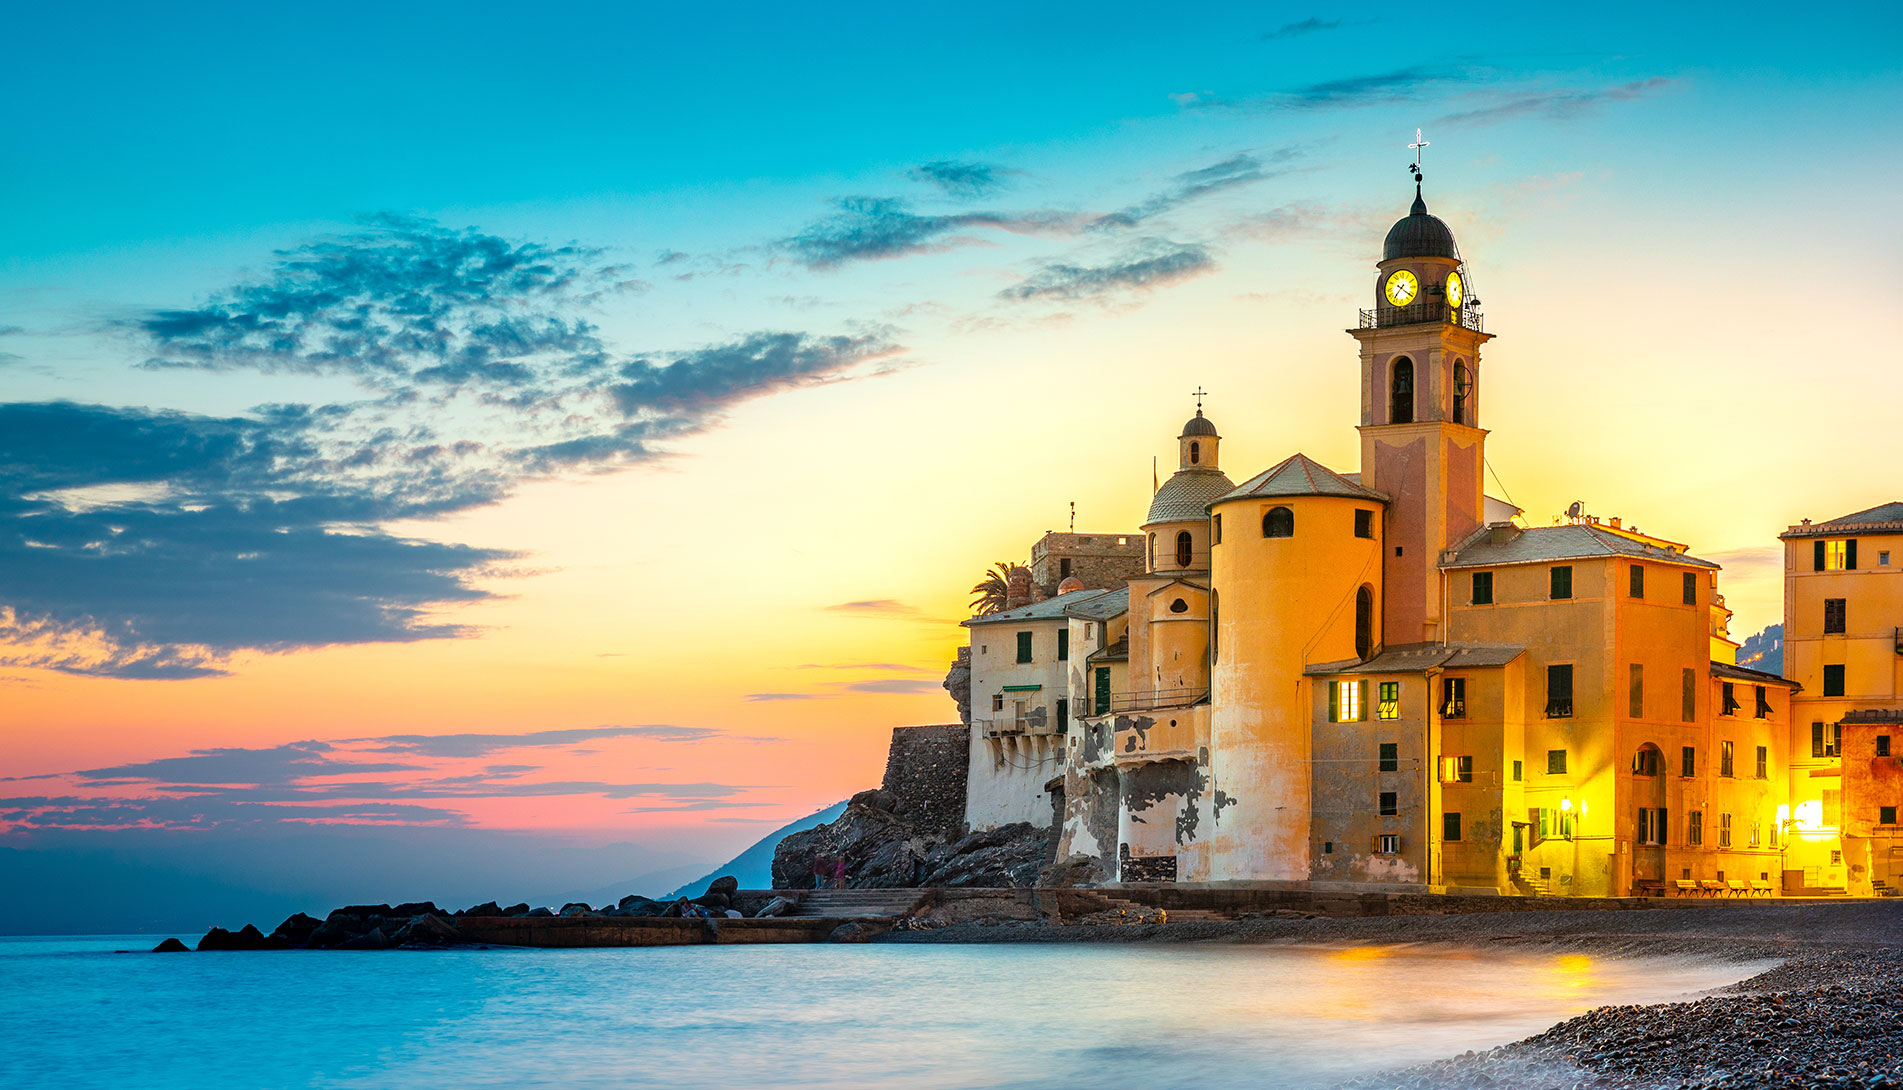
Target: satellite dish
{"x": 1577, "y": 508}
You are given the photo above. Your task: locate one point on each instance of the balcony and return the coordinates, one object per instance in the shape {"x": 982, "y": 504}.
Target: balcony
{"x": 1013, "y": 727}
{"x": 1422, "y": 314}
{"x": 1148, "y": 700}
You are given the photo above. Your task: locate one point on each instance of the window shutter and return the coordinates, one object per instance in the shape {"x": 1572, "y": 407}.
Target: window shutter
{"x": 1361, "y": 709}
{"x": 1818, "y": 555}
{"x": 1817, "y": 739}
{"x": 1334, "y": 704}
{"x": 1850, "y": 555}
{"x": 1374, "y": 845}
{"x": 1658, "y": 831}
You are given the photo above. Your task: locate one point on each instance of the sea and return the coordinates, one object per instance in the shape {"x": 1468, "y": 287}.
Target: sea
{"x": 83, "y": 1014}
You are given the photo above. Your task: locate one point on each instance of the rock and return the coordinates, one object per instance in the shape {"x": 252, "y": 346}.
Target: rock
{"x": 1078, "y": 870}
{"x": 642, "y": 906}
{"x": 735, "y": 914}
{"x": 538, "y": 913}
{"x": 171, "y": 946}
{"x": 427, "y": 930}
{"x": 374, "y": 939}
{"x": 958, "y": 683}
{"x": 726, "y": 886}
{"x": 363, "y": 910}
{"x": 1009, "y": 855}
{"x": 778, "y": 906}
{"x": 485, "y": 909}
{"x": 879, "y": 849}
{"x": 877, "y": 798}
{"x": 858, "y": 931}
{"x": 577, "y": 908}
{"x": 247, "y": 937}
{"x": 717, "y": 901}
{"x": 516, "y": 910}
{"x": 296, "y": 930}
{"x": 416, "y": 908}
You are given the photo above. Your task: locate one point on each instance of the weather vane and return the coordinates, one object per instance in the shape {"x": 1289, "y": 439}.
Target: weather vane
{"x": 1417, "y": 145}
{"x": 1200, "y": 394}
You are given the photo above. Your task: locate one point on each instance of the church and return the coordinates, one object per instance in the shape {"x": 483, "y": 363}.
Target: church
{"x": 1387, "y": 679}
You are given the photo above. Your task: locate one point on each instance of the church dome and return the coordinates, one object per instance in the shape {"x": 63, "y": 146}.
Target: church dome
{"x": 1185, "y": 496}
{"x": 1419, "y": 235}
{"x": 1198, "y": 425}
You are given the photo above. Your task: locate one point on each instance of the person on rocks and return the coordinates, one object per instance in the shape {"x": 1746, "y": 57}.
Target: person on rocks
{"x": 839, "y": 874}
{"x": 822, "y": 870}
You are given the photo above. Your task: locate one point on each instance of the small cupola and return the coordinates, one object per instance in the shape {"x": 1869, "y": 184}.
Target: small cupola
{"x": 1418, "y": 234}
{"x": 1197, "y": 444}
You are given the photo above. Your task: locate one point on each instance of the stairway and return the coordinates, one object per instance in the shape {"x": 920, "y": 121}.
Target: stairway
{"x": 837, "y": 903}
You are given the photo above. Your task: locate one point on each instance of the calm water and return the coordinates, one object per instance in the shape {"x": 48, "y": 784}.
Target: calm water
{"x": 79, "y": 1016}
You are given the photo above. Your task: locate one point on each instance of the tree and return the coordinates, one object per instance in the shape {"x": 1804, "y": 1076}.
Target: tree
{"x": 991, "y": 592}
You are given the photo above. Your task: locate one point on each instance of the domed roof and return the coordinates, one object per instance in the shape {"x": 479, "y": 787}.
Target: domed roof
{"x": 1185, "y": 496}
{"x": 1419, "y": 235}
{"x": 1198, "y": 425}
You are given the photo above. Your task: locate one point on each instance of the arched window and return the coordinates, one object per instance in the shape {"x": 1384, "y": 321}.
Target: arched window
{"x": 1463, "y": 387}
{"x": 1648, "y": 761}
{"x": 1184, "y": 553}
{"x": 1364, "y": 622}
{"x": 1195, "y": 453}
{"x": 1179, "y": 606}
{"x": 1215, "y": 619}
{"x": 1401, "y": 393}
{"x": 1152, "y": 552}
{"x": 1279, "y": 522}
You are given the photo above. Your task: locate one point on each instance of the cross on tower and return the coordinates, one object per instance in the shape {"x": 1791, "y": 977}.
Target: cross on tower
{"x": 1200, "y": 394}
{"x": 1417, "y": 145}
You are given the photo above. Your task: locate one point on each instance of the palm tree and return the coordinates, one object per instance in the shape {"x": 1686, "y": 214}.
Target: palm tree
{"x": 992, "y": 591}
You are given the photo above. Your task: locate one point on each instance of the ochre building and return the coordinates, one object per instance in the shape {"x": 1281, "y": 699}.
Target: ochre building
{"x": 1385, "y": 679}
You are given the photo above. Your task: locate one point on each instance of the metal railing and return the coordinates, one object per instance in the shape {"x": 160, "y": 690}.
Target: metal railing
{"x": 1422, "y": 314}
{"x": 1029, "y": 725}
{"x": 1147, "y": 700}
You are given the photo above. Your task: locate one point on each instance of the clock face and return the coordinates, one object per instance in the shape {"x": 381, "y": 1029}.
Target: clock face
{"x": 1456, "y": 291}
{"x": 1403, "y": 288}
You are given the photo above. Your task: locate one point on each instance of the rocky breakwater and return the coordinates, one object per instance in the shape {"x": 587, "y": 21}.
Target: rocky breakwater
{"x": 882, "y": 845}
{"x": 421, "y": 925}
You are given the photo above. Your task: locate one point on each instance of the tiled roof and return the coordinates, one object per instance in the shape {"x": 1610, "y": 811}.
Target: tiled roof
{"x": 1579, "y": 541}
{"x": 1050, "y": 609}
{"x": 1300, "y": 475}
{"x": 1103, "y": 607}
{"x": 1185, "y": 496}
{"x": 1745, "y": 673}
{"x": 1873, "y": 715}
{"x": 1413, "y": 658}
{"x": 1887, "y": 518}
{"x": 1116, "y": 652}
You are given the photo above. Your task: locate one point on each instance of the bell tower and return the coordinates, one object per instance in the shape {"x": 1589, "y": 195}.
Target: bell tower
{"x": 1421, "y": 440}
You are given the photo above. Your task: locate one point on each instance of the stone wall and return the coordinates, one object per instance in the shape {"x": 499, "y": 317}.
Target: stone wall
{"x": 925, "y": 769}
{"x": 1099, "y": 561}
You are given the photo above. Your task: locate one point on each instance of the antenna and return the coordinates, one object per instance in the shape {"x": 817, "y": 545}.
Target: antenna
{"x": 1073, "y": 516}
{"x": 1576, "y": 509}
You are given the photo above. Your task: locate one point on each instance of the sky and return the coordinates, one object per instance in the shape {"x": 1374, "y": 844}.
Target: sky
{"x": 460, "y": 451}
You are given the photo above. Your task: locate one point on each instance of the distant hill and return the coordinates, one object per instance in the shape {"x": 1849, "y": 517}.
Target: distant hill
{"x": 754, "y": 867}
{"x": 1764, "y": 651}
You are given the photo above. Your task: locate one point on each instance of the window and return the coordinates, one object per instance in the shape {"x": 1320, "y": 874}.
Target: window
{"x": 1179, "y": 606}
{"x": 1453, "y": 697}
{"x": 1278, "y": 522}
{"x": 1651, "y": 826}
{"x": 1825, "y": 740}
{"x": 1883, "y": 559}
{"x": 1833, "y": 681}
{"x": 1731, "y": 700}
{"x": 1833, "y": 616}
{"x": 1688, "y": 695}
{"x": 1185, "y": 548}
{"x": 1883, "y": 745}
{"x": 1541, "y": 821}
{"x": 1764, "y": 762}
{"x": 1835, "y": 555}
{"x": 1886, "y": 815}
{"x": 1195, "y": 453}
{"x": 1344, "y": 701}
{"x": 1559, "y": 691}
{"x": 1450, "y": 826}
{"x": 1024, "y": 647}
{"x": 1463, "y": 386}
{"x": 1555, "y": 762}
{"x": 1100, "y": 692}
{"x": 1152, "y": 552}
{"x": 1724, "y": 759}
{"x": 1364, "y": 523}
{"x": 1390, "y": 757}
{"x": 1724, "y": 830}
{"x": 1483, "y": 588}
{"x": 1401, "y": 396}
{"x": 1387, "y": 844}
{"x": 1215, "y": 622}
{"x": 1636, "y": 583}
{"x": 1516, "y": 772}
{"x": 1063, "y": 568}
{"x": 1456, "y": 770}
{"x": 1561, "y": 582}
{"x": 1648, "y": 761}
{"x": 1690, "y": 589}
{"x": 1364, "y": 622}
{"x": 1215, "y": 529}
{"x": 1763, "y": 710}
{"x": 1063, "y": 715}
{"x": 1635, "y": 691}
{"x": 1063, "y": 645}
{"x": 1695, "y": 828}
{"x": 1328, "y": 847}
{"x": 1389, "y": 807}
{"x": 1754, "y": 833}
{"x": 997, "y": 702}
{"x": 1390, "y": 705}
{"x": 1687, "y": 761}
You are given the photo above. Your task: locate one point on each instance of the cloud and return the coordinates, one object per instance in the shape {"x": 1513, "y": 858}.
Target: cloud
{"x": 874, "y": 228}
{"x": 891, "y": 667}
{"x": 1379, "y": 88}
{"x": 876, "y": 607}
{"x": 895, "y": 685}
{"x": 1240, "y": 169}
{"x": 961, "y": 179}
{"x": 481, "y": 745}
{"x": 772, "y": 697}
{"x": 1309, "y": 25}
{"x": 276, "y": 765}
{"x": 760, "y": 364}
{"x": 1153, "y": 264}
{"x": 1559, "y": 104}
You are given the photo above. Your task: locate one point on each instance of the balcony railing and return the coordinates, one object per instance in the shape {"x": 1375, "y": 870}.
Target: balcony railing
{"x": 1421, "y": 314}
{"x": 1147, "y": 700}
{"x": 1029, "y": 725}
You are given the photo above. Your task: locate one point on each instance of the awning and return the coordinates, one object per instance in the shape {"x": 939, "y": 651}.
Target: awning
{"x": 1022, "y": 688}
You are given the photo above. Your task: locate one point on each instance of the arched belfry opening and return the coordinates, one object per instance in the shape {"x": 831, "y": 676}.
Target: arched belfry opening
{"x": 1185, "y": 549}
{"x": 1195, "y": 453}
{"x": 1401, "y": 392}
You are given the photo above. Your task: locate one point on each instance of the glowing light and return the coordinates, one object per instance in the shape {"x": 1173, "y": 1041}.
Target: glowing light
{"x": 1810, "y": 815}
{"x": 1565, "y": 805}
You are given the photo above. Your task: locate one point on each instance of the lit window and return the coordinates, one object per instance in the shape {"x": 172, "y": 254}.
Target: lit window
{"x": 1453, "y": 697}
{"x": 1836, "y": 555}
{"x": 1345, "y": 696}
{"x": 1764, "y": 762}
{"x": 1390, "y": 707}
{"x": 1695, "y": 830}
{"x": 1456, "y": 770}
{"x": 1724, "y": 759}
{"x": 1724, "y": 830}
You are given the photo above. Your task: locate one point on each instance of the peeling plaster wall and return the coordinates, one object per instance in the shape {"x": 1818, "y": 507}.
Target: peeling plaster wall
{"x": 1012, "y": 755}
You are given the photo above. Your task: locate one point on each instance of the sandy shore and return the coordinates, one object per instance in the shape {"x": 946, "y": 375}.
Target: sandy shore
{"x": 1831, "y": 1015}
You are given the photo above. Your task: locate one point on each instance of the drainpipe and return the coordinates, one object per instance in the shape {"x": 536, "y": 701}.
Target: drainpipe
{"x": 1435, "y": 869}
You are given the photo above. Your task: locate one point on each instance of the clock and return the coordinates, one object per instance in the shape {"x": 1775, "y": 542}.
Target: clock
{"x": 1402, "y": 288}
{"x": 1455, "y": 290}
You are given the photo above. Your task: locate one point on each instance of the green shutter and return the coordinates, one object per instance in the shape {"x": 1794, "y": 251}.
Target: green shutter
{"x": 1334, "y": 702}
{"x": 1817, "y": 555}
{"x": 1850, "y": 555}
{"x": 1361, "y": 709}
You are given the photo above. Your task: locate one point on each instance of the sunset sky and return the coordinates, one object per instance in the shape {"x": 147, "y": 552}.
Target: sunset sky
{"x": 477, "y": 450}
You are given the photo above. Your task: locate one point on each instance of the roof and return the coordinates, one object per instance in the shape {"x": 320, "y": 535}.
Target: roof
{"x": 1414, "y": 658}
{"x": 1419, "y": 235}
{"x": 1050, "y": 609}
{"x": 1886, "y": 518}
{"x": 1185, "y": 496}
{"x": 1199, "y": 425}
{"x": 1103, "y": 606}
{"x": 1745, "y": 673}
{"x": 1116, "y": 652}
{"x": 1300, "y": 475}
{"x": 1873, "y": 715}
{"x": 1578, "y": 541}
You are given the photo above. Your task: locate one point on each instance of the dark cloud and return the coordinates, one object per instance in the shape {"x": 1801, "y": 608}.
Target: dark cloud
{"x": 1153, "y": 265}
{"x": 960, "y": 179}
{"x": 276, "y": 765}
{"x": 1309, "y": 25}
{"x": 1240, "y": 169}
{"x": 761, "y": 364}
{"x": 1399, "y": 85}
{"x": 877, "y": 607}
{"x": 770, "y": 697}
{"x": 872, "y": 228}
{"x": 1563, "y": 103}
{"x": 202, "y": 813}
